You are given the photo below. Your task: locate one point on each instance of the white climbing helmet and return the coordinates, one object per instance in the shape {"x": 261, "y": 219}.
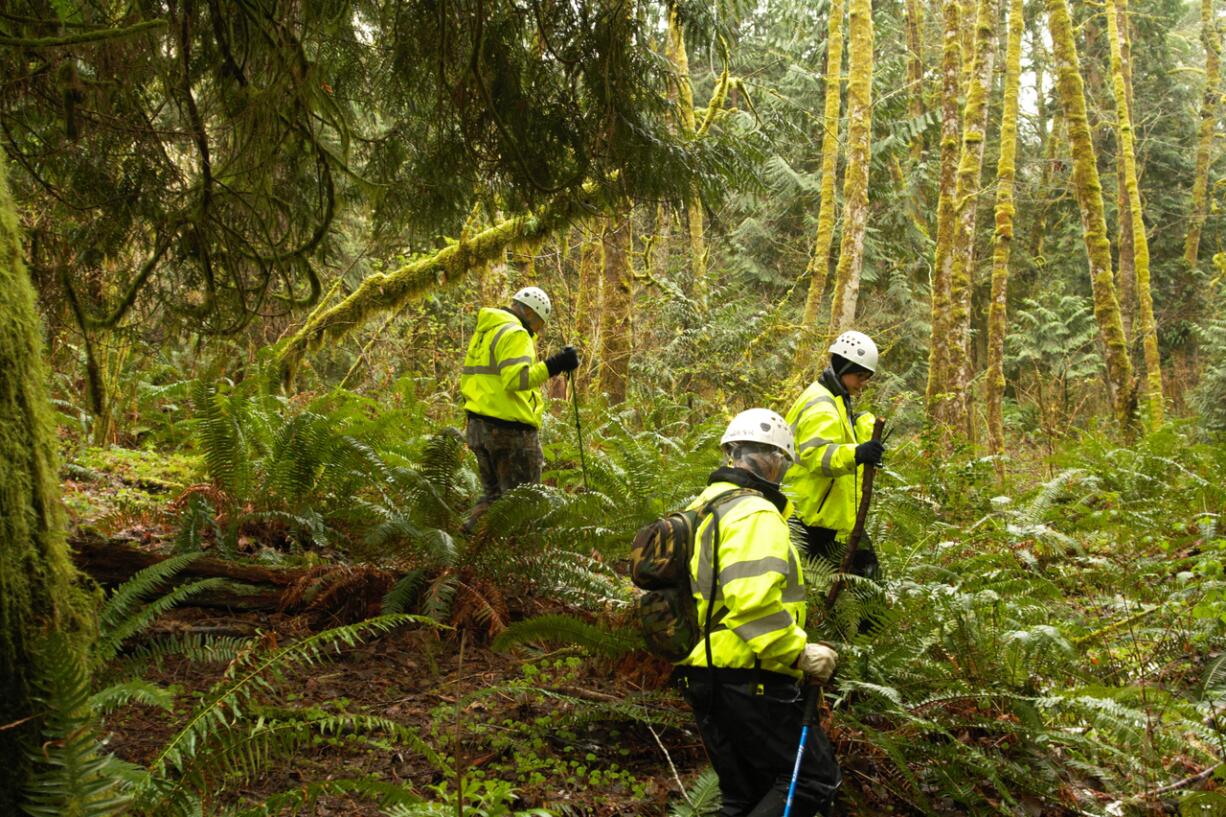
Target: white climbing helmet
{"x": 535, "y": 299}
{"x": 856, "y": 347}
{"x": 759, "y": 425}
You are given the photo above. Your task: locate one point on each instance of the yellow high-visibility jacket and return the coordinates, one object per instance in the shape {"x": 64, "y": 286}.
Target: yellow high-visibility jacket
{"x": 501, "y": 376}
{"x": 760, "y": 594}
{"x": 825, "y": 483}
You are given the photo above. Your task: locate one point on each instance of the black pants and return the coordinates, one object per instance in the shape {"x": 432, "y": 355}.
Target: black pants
{"x": 820, "y": 542}
{"x": 751, "y": 731}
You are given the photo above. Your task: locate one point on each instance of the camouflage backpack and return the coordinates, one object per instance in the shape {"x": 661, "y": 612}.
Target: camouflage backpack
{"x": 660, "y": 564}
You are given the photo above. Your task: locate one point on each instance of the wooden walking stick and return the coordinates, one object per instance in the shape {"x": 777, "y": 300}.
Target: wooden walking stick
{"x": 857, "y": 532}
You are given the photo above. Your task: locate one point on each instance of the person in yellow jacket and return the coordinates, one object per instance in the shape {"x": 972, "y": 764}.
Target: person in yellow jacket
{"x": 501, "y": 382}
{"x": 832, "y": 443}
{"x": 741, "y": 679}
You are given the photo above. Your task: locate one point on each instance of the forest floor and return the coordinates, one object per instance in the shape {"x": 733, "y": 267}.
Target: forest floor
{"x": 532, "y": 728}
{"x": 424, "y": 681}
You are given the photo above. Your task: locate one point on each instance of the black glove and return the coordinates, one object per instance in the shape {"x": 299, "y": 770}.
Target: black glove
{"x": 869, "y": 452}
{"x": 566, "y": 360}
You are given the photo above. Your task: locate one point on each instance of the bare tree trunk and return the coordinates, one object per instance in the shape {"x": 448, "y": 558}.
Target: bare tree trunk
{"x": 615, "y": 313}
{"x": 819, "y": 264}
{"x": 1002, "y": 239}
{"x": 855, "y": 182}
{"x": 1089, "y": 192}
{"x": 39, "y": 590}
{"x": 966, "y": 197}
{"x": 1123, "y": 109}
{"x": 1208, "y": 123}
{"x": 939, "y": 351}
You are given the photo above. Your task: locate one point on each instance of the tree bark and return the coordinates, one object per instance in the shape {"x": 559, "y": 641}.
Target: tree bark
{"x": 915, "y": 73}
{"x": 39, "y": 590}
{"x": 855, "y": 181}
{"x": 966, "y": 197}
{"x": 1089, "y": 193}
{"x": 615, "y": 313}
{"x": 587, "y": 302}
{"x": 1208, "y": 123}
{"x": 1002, "y": 239}
{"x": 1126, "y": 271}
{"x": 693, "y": 206}
{"x": 939, "y": 350}
{"x": 1140, "y": 243}
{"x": 819, "y": 263}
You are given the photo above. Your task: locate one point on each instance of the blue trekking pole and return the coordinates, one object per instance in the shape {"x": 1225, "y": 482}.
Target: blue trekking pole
{"x": 810, "y": 718}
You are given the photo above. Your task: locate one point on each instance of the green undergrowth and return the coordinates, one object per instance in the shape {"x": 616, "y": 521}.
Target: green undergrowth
{"x": 1050, "y": 644}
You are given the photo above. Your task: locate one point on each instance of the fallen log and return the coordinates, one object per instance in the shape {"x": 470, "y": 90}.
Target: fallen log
{"x": 333, "y": 594}
{"x": 113, "y": 561}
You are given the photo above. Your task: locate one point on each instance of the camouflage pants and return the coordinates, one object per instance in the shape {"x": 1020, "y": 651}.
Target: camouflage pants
{"x": 506, "y": 457}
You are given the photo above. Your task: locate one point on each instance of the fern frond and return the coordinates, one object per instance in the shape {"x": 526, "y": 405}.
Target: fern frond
{"x": 702, "y": 798}
{"x": 564, "y": 630}
{"x": 135, "y": 691}
{"x": 296, "y": 800}
{"x": 125, "y": 598}
{"x": 110, "y": 640}
{"x": 71, "y": 775}
{"x": 255, "y": 672}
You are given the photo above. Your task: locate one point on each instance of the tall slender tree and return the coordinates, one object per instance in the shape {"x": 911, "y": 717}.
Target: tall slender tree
{"x": 855, "y": 182}
{"x": 1125, "y": 271}
{"x": 615, "y": 312}
{"x": 39, "y": 594}
{"x": 942, "y": 262}
{"x": 1208, "y": 124}
{"x": 693, "y": 209}
{"x": 1140, "y": 243}
{"x": 915, "y": 73}
{"x": 970, "y": 169}
{"x": 587, "y": 300}
{"x": 1002, "y": 238}
{"x": 1089, "y": 194}
{"x": 819, "y": 263}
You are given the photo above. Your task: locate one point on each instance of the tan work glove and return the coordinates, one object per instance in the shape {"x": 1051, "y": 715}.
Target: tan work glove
{"x": 818, "y": 662}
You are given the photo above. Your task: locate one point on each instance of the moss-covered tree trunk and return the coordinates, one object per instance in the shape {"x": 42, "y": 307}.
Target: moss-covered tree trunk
{"x": 1127, "y": 148}
{"x": 819, "y": 263}
{"x": 587, "y": 299}
{"x": 855, "y": 182}
{"x": 939, "y": 351}
{"x": 915, "y": 73}
{"x": 693, "y": 208}
{"x": 1208, "y": 124}
{"x": 966, "y": 199}
{"x": 38, "y": 590}
{"x": 1125, "y": 270}
{"x": 615, "y": 312}
{"x": 1002, "y": 239}
{"x": 1088, "y": 191}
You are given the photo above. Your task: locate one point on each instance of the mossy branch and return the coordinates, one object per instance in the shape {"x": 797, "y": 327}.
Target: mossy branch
{"x": 383, "y": 292}
{"x": 82, "y": 37}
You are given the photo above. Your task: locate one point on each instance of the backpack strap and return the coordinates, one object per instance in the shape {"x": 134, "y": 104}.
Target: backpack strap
{"x": 713, "y": 508}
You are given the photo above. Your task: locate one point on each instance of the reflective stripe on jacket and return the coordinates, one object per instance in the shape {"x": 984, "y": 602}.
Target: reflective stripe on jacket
{"x": 501, "y": 376}
{"x": 825, "y": 483}
{"x": 760, "y": 594}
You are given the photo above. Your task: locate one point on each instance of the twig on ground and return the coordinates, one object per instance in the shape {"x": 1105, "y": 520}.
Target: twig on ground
{"x": 669, "y": 758}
